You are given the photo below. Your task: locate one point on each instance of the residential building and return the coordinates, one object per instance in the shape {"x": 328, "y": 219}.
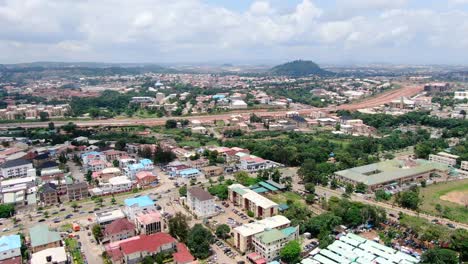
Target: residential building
{"x": 55, "y": 255}
{"x": 10, "y": 247}
{"x": 107, "y": 217}
{"x": 249, "y": 200}
{"x": 119, "y": 229}
{"x": 146, "y": 178}
{"x": 133, "y": 206}
{"x": 107, "y": 173}
{"x": 269, "y": 243}
{"x": 460, "y": 95}
{"x": 77, "y": 191}
{"x": 15, "y": 168}
{"x": 200, "y": 202}
{"x": 49, "y": 194}
{"x": 96, "y": 165}
{"x": 149, "y": 222}
{"x": 464, "y": 165}
{"x": 132, "y": 169}
{"x": 252, "y": 163}
{"x": 238, "y": 104}
{"x": 212, "y": 171}
{"x": 42, "y": 238}
{"x": 186, "y": 173}
{"x": 243, "y": 235}
{"x": 113, "y": 154}
{"x": 444, "y": 158}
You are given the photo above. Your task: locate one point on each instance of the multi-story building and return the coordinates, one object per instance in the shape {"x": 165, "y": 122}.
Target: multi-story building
{"x": 119, "y": 229}
{"x": 243, "y": 235}
{"x": 460, "y": 95}
{"x": 251, "y": 163}
{"x": 113, "y": 154}
{"x": 146, "y": 178}
{"x": 211, "y": 171}
{"x": 42, "y": 238}
{"x": 464, "y": 165}
{"x": 132, "y": 169}
{"x": 269, "y": 243}
{"x": 249, "y": 200}
{"x": 149, "y": 222}
{"x": 55, "y": 255}
{"x": 200, "y": 202}
{"x": 444, "y": 158}
{"x": 10, "y": 247}
{"x": 133, "y": 206}
{"x": 433, "y": 88}
{"x": 49, "y": 194}
{"x": 107, "y": 217}
{"x": 15, "y": 168}
{"x": 77, "y": 191}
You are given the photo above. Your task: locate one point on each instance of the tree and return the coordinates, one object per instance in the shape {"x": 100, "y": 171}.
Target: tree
{"x": 243, "y": 178}
{"x": 6, "y": 210}
{"x": 89, "y": 176}
{"x": 74, "y": 205}
{"x": 250, "y": 214}
{"x": 162, "y": 156}
{"x": 51, "y": 126}
{"x": 440, "y": 256}
{"x": 98, "y": 201}
{"x": 310, "y": 198}
{"x": 146, "y": 152}
{"x": 291, "y": 252}
{"x": 97, "y": 232}
{"x": 62, "y": 159}
{"x": 44, "y": 116}
{"x": 46, "y": 214}
{"x": 120, "y": 144}
{"x": 382, "y": 195}
{"x": 171, "y": 123}
{"x": 349, "y": 189}
{"x": 199, "y": 240}
{"x": 361, "y": 188}
{"x": 222, "y": 231}
{"x": 115, "y": 163}
{"x": 183, "y": 191}
{"x": 178, "y": 227}
{"x": 409, "y": 199}
{"x": 459, "y": 242}
{"x": 113, "y": 201}
{"x": 310, "y": 188}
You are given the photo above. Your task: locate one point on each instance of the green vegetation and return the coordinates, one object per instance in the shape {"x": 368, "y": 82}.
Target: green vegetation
{"x": 183, "y": 191}
{"x": 97, "y": 232}
{"x": 199, "y": 241}
{"x": 409, "y": 199}
{"x": 298, "y": 68}
{"x": 243, "y": 178}
{"x": 178, "y": 227}
{"x": 291, "y": 252}
{"x": 440, "y": 256}
{"x": 74, "y": 249}
{"x": 7, "y": 210}
{"x": 222, "y": 231}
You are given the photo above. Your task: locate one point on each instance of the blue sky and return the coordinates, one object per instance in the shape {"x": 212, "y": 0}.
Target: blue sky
{"x": 241, "y": 31}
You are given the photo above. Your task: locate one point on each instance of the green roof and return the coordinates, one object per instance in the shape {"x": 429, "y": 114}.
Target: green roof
{"x": 40, "y": 235}
{"x": 239, "y": 190}
{"x": 289, "y": 230}
{"x": 260, "y": 190}
{"x": 273, "y": 235}
{"x": 390, "y": 170}
{"x": 268, "y": 186}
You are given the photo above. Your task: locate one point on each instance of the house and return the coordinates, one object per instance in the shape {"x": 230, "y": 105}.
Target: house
{"x": 15, "y": 168}
{"x": 249, "y": 200}
{"x": 133, "y": 206}
{"x": 77, "y": 191}
{"x": 119, "y": 229}
{"x": 96, "y": 165}
{"x": 49, "y": 194}
{"x": 120, "y": 184}
{"x": 107, "y": 173}
{"x": 113, "y": 154}
{"x": 132, "y": 169}
{"x": 92, "y": 155}
{"x": 252, "y": 163}
{"x": 146, "y": 178}
{"x": 10, "y": 247}
{"x": 149, "y": 222}
{"x": 55, "y": 255}
{"x": 42, "y": 238}
{"x": 107, "y": 217}
{"x": 243, "y": 235}
{"x": 269, "y": 243}
{"x": 211, "y": 171}
{"x": 200, "y": 202}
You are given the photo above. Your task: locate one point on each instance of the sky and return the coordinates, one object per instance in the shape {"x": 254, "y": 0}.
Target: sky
{"x": 235, "y": 31}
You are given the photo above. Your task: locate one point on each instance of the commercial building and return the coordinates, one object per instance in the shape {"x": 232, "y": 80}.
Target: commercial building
{"x": 390, "y": 172}
{"x": 136, "y": 205}
{"x": 433, "y": 88}
{"x": 149, "y": 222}
{"x": 15, "y": 168}
{"x": 105, "y": 218}
{"x": 10, "y": 247}
{"x": 249, "y": 200}
{"x": 460, "y": 95}
{"x": 444, "y": 158}
{"x": 119, "y": 229}
{"x": 146, "y": 178}
{"x": 77, "y": 191}
{"x": 49, "y": 194}
{"x": 200, "y": 202}
{"x": 243, "y": 235}
{"x": 352, "y": 248}
{"x": 211, "y": 171}
{"x": 269, "y": 243}
{"x": 42, "y": 238}
{"x": 55, "y": 255}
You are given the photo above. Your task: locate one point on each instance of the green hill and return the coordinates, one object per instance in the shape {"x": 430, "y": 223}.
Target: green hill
{"x": 298, "y": 68}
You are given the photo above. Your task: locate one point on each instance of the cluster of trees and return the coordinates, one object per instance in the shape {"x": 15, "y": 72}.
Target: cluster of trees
{"x": 409, "y": 199}
{"x": 7, "y": 210}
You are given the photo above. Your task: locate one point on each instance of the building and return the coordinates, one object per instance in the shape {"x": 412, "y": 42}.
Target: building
{"x": 120, "y": 184}
{"x": 390, "y": 172}
{"x": 107, "y": 173}
{"x": 55, "y": 255}
{"x": 107, "y": 217}
{"x": 149, "y": 222}
{"x": 77, "y": 191}
{"x": 269, "y": 243}
{"x": 10, "y": 247}
{"x": 15, "y": 168}
{"x": 460, "y": 95}
{"x": 182, "y": 256}
{"x": 243, "y": 235}
{"x": 200, "y": 202}
{"x": 444, "y": 158}
{"x": 42, "y": 238}
{"x": 185, "y": 173}
{"x": 136, "y": 205}
{"x": 433, "y": 88}
{"x": 352, "y": 248}
{"x": 146, "y": 178}
{"x": 113, "y": 154}
{"x": 49, "y": 194}
{"x": 249, "y": 200}
{"x": 464, "y": 165}
{"x": 238, "y": 104}
{"x": 119, "y": 229}
{"x": 132, "y": 169}
{"x": 212, "y": 171}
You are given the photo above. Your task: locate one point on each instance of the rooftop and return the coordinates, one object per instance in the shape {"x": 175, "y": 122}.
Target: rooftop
{"x": 260, "y": 226}
{"x": 15, "y": 163}
{"x": 251, "y": 195}
{"x": 200, "y": 194}
{"x": 10, "y": 242}
{"x": 103, "y": 217}
{"x": 41, "y": 235}
{"x": 141, "y": 201}
{"x": 118, "y": 226}
{"x": 58, "y": 255}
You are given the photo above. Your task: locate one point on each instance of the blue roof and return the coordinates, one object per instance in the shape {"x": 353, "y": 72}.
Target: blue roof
{"x": 146, "y": 162}
{"x": 91, "y": 153}
{"x": 10, "y": 242}
{"x": 260, "y": 190}
{"x": 189, "y": 171}
{"x": 137, "y": 166}
{"x": 289, "y": 230}
{"x": 283, "y": 207}
{"x": 141, "y": 201}
{"x": 218, "y": 96}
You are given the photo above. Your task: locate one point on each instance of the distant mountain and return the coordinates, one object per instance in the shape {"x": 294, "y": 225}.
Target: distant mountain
{"x": 298, "y": 68}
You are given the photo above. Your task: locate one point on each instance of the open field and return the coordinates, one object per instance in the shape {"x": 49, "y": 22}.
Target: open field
{"x": 450, "y": 197}
{"x": 281, "y": 198}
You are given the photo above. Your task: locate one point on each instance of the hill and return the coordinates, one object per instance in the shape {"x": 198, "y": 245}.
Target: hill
{"x": 298, "y": 68}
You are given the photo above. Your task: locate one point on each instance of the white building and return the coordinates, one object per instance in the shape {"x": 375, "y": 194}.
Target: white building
{"x": 56, "y": 255}
{"x": 105, "y": 218}
{"x": 444, "y": 158}
{"x": 238, "y": 104}
{"x": 249, "y": 200}
{"x": 134, "y": 206}
{"x": 464, "y": 165}
{"x": 15, "y": 168}
{"x": 200, "y": 202}
{"x": 269, "y": 243}
{"x": 251, "y": 163}
{"x": 460, "y": 95}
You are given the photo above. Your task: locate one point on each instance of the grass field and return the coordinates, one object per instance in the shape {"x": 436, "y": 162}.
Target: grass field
{"x": 431, "y": 197}
{"x": 281, "y": 198}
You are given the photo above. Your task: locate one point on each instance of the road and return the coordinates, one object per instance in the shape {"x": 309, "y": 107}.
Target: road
{"x": 377, "y": 100}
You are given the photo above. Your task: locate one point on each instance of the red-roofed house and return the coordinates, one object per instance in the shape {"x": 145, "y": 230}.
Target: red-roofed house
{"x": 145, "y": 178}
{"x": 119, "y": 229}
{"x": 182, "y": 256}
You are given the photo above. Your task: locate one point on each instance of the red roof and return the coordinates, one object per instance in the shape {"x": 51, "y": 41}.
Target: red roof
{"x": 182, "y": 255}
{"x": 118, "y": 226}
{"x": 148, "y": 243}
{"x": 14, "y": 260}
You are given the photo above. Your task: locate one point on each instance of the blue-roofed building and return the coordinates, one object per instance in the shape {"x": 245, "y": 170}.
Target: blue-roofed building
{"x": 186, "y": 173}
{"x": 218, "y": 96}
{"x": 134, "y": 206}
{"x": 143, "y": 165}
{"x": 10, "y": 247}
